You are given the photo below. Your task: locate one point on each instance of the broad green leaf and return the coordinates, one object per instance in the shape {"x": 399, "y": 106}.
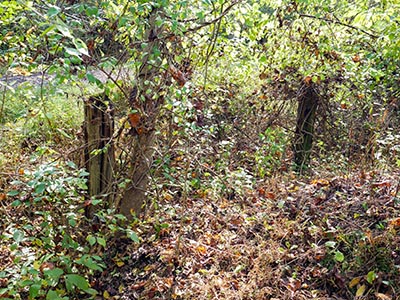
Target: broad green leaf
{"x": 53, "y": 11}
{"x": 371, "y": 276}
{"x": 18, "y": 236}
{"x": 54, "y": 274}
{"x": 81, "y": 46}
{"x": 91, "y": 239}
{"x": 133, "y": 236}
{"x": 74, "y": 280}
{"x": 339, "y": 256}
{"x": 101, "y": 241}
{"x": 53, "y": 295}
{"x": 92, "y": 11}
{"x": 39, "y": 189}
{"x": 13, "y": 193}
{"x": 73, "y": 52}
{"x": 34, "y": 290}
{"x": 64, "y": 30}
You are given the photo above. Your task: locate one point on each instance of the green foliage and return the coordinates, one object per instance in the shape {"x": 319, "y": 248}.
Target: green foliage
{"x": 49, "y": 256}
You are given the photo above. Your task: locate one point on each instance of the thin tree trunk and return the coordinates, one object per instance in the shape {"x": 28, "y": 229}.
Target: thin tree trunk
{"x": 308, "y": 103}
{"x": 146, "y": 100}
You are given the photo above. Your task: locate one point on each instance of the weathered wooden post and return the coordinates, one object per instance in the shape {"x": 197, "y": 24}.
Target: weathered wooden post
{"x": 99, "y": 148}
{"x": 308, "y": 103}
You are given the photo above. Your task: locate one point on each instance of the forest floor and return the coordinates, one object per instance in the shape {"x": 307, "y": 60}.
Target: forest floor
{"x": 322, "y": 238}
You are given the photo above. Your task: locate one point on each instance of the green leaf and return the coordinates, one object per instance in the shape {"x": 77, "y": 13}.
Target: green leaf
{"x": 74, "y": 280}
{"x": 73, "y": 52}
{"x": 18, "y": 236}
{"x": 39, "y": 189}
{"x": 64, "y": 30}
{"x": 339, "y": 256}
{"x": 101, "y": 241}
{"x": 34, "y": 290}
{"x": 91, "y": 239}
{"x": 263, "y": 59}
{"x": 91, "y": 78}
{"x": 92, "y": 11}
{"x": 54, "y": 274}
{"x": 13, "y": 193}
{"x": 53, "y": 11}
{"x": 53, "y": 295}
{"x": 16, "y": 203}
{"x": 133, "y": 236}
{"x": 330, "y": 244}
{"x": 81, "y": 46}
{"x": 371, "y": 276}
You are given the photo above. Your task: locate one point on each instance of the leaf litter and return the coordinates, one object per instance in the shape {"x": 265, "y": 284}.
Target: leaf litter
{"x": 314, "y": 239}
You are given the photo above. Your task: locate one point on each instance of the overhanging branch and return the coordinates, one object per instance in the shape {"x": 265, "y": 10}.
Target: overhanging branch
{"x": 339, "y": 23}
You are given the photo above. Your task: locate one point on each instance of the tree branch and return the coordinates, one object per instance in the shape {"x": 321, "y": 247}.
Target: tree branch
{"x": 340, "y": 23}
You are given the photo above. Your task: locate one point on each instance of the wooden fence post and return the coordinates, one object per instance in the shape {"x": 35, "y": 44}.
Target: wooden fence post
{"x": 99, "y": 148}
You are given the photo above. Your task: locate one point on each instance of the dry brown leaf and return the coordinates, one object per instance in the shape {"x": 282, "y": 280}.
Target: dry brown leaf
{"x": 381, "y": 296}
{"x": 320, "y": 181}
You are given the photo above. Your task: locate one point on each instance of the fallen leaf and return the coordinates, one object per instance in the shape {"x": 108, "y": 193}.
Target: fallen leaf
{"x": 354, "y": 282}
{"x": 271, "y": 195}
{"x": 201, "y": 249}
{"x": 381, "y": 296}
{"x": 361, "y": 290}
{"x": 321, "y": 181}
{"x": 134, "y": 119}
{"x": 307, "y": 79}
{"x": 356, "y": 58}
{"x": 262, "y": 76}
{"x": 395, "y": 222}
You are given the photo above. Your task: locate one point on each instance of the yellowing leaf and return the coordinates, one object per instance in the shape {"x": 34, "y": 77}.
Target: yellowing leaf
{"x": 361, "y": 290}
{"x": 106, "y": 295}
{"x": 119, "y": 263}
{"x": 201, "y": 249}
{"x": 320, "y": 181}
{"x": 354, "y": 282}
{"x": 168, "y": 197}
